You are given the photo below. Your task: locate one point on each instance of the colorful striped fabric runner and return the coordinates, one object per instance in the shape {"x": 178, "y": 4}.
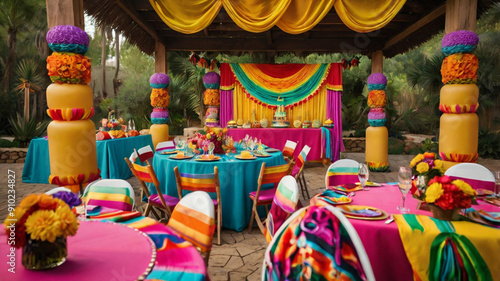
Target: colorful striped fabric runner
{"x": 443, "y": 250}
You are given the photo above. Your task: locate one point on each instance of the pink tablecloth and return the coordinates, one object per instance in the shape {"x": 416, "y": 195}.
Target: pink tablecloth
{"x": 99, "y": 251}
{"x": 276, "y": 138}
{"x": 382, "y": 241}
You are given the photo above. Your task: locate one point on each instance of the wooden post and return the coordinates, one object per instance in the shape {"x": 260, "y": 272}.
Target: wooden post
{"x": 377, "y": 61}
{"x": 65, "y": 12}
{"x": 460, "y": 15}
{"x": 160, "y": 58}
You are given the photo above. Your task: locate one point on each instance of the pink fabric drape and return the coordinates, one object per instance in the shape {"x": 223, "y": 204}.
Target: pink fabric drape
{"x": 334, "y": 112}
{"x": 226, "y": 107}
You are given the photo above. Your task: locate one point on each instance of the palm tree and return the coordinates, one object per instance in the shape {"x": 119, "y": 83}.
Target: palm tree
{"x": 14, "y": 15}
{"x": 30, "y": 78}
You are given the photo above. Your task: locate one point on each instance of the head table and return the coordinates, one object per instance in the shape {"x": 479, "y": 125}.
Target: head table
{"x": 382, "y": 241}
{"x": 110, "y": 154}
{"x": 237, "y": 179}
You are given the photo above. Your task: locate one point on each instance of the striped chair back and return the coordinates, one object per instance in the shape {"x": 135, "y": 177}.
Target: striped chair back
{"x": 110, "y": 193}
{"x": 289, "y": 149}
{"x": 195, "y": 182}
{"x": 193, "y": 220}
{"x": 335, "y": 251}
{"x": 284, "y": 204}
{"x": 300, "y": 161}
{"x": 476, "y": 175}
{"x": 273, "y": 174}
{"x": 341, "y": 172}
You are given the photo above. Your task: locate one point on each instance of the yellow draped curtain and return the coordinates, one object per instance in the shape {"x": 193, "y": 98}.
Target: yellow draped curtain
{"x": 291, "y": 16}
{"x": 244, "y": 106}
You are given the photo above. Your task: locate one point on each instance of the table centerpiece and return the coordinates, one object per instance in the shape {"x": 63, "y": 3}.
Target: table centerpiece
{"x": 40, "y": 225}
{"x": 425, "y": 167}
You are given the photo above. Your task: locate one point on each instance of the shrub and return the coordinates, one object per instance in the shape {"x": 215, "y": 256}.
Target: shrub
{"x": 488, "y": 146}
{"x": 24, "y": 130}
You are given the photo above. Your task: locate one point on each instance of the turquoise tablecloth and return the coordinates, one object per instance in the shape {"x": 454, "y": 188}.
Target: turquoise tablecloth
{"x": 237, "y": 179}
{"x": 110, "y": 154}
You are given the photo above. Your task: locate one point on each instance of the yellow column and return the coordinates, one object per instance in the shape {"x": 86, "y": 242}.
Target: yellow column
{"x": 159, "y": 100}
{"x": 71, "y": 136}
{"x": 377, "y": 137}
{"x": 459, "y": 124}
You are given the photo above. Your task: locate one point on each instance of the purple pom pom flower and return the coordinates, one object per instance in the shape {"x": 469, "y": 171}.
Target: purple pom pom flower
{"x": 211, "y": 78}
{"x": 377, "y": 78}
{"x": 460, "y": 37}
{"x": 159, "y": 80}
{"x": 69, "y": 198}
{"x": 67, "y": 34}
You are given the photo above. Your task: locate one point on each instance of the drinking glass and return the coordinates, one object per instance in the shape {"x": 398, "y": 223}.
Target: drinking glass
{"x": 404, "y": 179}
{"x": 363, "y": 174}
{"x": 497, "y": 184}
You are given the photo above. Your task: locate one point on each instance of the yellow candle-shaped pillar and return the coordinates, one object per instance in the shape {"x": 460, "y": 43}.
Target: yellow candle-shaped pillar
{"x": 377, "y": 148}
{"x": 159, "y": 133}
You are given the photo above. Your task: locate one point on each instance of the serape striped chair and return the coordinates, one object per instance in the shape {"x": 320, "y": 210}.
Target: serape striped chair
{"x": 112, "y": 194}
{"x": 268, "y": 175}
{"x": 341, "y": 172}
{"x": 316, "y": 243}
{"x": 284, "y": 204}
{"x": 193, "y": 220}
{"x": 478, "y": 176}
{"x": 202, "y": 182}
{"x": 298, "y": 170}
{"x": 165, "y": 145}
{"x": 162, "y": 202}
{"x": 289, "y": 149}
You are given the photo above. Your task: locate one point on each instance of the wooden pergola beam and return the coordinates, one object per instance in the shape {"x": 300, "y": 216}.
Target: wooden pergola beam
{"x": 414, "y": 27}
{"x": 377, "y": 58}
{"x": 65, "y": 12}
{"x": 460, "y": 15}
{"x": 131, "y": 12}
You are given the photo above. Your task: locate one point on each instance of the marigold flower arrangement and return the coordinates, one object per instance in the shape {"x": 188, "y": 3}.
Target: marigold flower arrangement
{"x": 377, "y": 98}
{"x": 460, "y": 69}
{"x": 211, "y": 97}
{"x": 41, "y": 217}
{"x": 69, "y": 68}
{"x": 449, "y": 194}
{"x": 160, "y": 98}
{"x": 427, "y": 164}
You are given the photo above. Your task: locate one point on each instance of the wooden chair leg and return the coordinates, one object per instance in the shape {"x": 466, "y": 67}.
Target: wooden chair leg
{"x": 254, "y": 211}
{"x": 148, "y": 209}
{"x": 305, "y": 185}
{"x": 260, "y": 224}
{"x": 219, "y": 225}
{"x": 155, "y": 213}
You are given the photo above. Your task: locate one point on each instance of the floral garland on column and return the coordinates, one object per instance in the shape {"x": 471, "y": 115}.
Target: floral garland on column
{"x": 211, "y": 98}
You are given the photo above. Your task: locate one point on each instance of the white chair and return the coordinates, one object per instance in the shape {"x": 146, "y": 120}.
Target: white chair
{"x": 298, "y": 170}
{"x": 474, "y": 174}
{"x": 295, "y": 224}
{"x": 58, "y": 189}
{"x": 109, "y": 193}
{"x": 341, "y": 172}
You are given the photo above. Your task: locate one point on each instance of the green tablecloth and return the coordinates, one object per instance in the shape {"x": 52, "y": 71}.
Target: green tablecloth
{"x": 110, "y": 154}
{"x": 237, "y": 179}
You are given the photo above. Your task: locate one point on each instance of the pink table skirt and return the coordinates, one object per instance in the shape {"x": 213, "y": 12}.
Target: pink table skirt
{"x": 276, "y": 138}
{"x": 99, "y": 251}
{"x": 382, "y": 241}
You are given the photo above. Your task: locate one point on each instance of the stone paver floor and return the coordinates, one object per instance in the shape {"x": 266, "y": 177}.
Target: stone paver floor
{"x": 240, "y": 254}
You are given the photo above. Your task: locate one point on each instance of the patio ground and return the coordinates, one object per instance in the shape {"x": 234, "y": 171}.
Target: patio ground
{"x": 240, "y": 254}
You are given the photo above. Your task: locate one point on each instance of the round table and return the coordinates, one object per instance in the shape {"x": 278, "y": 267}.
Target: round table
{"x": 237, "y": 179}
{"x": 382, "y": 241}
{"x": 98, "y": 251}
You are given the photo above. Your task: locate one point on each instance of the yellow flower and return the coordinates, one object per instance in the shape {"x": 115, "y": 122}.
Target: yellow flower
{"x": 465, "y": 187}
{"x": 422, "y": 167}
{"x": 438, "y": 164}
{"x": 68, "y": 221}
{"x": 417, "y": 159}
{"x": 16, "y": 215}
{"x": 433, "y": 192}
{"x": 43, "y": 225}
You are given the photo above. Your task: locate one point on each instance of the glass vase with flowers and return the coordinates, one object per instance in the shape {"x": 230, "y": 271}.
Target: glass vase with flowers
{"x": 41, "y": 224}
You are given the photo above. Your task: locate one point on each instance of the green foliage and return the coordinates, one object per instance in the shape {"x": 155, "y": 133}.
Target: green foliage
{"x": 24, "y": 130}
{"x": 489, "y": 144}
{"x": 8, "y": 143}
{"x": 429, "y": 146}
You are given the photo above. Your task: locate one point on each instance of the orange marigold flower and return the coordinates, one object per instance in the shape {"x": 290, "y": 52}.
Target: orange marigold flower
{"x": 377, "y": 98}
{"x": 459, "y": 69}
